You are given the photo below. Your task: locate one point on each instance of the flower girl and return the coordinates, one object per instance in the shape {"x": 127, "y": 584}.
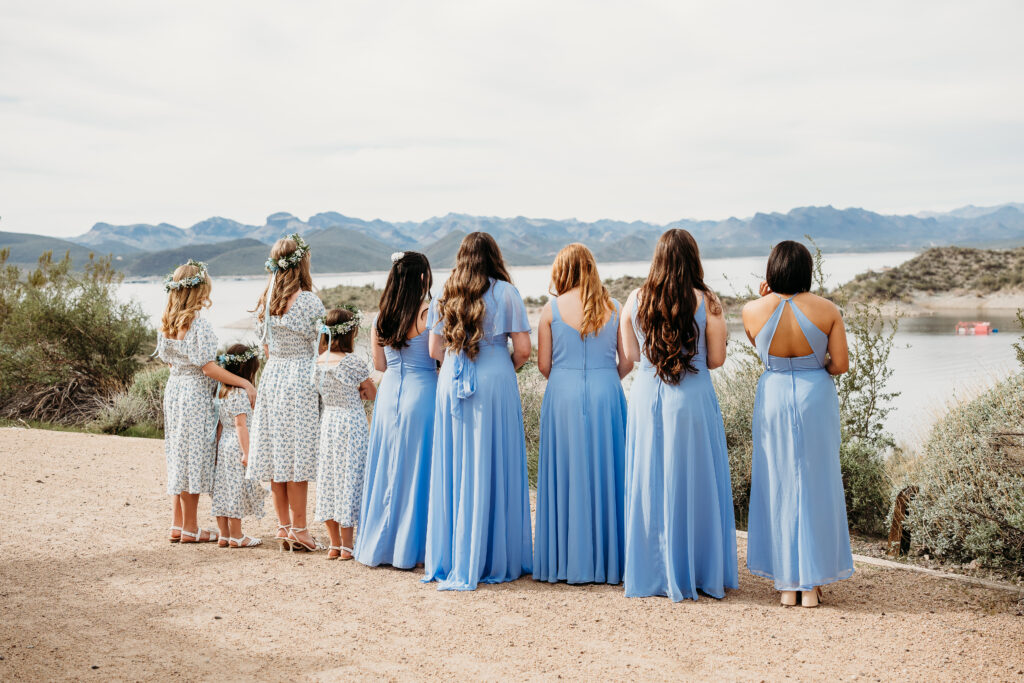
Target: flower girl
{"x": 188, "y": 345}
{"x": 344, "y": 379}
{"x": 234, "y": 496}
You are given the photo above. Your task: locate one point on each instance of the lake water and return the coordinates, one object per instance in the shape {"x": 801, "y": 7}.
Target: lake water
{"x": 931, "y": 365}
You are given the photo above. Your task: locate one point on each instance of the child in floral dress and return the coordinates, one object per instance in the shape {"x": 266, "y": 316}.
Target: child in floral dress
{"x": 234, "y": 496}
{"x": 344, "y": 379}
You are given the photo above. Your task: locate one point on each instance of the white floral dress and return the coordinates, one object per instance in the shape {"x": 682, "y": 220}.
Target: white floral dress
{"x": 233, "y": 495}
{"x": 284, "y": 425}
{"x": 344, "y": 442}
{"x": 190, "y": 419}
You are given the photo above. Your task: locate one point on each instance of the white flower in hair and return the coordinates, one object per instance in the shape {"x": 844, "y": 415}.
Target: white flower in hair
{"x": 282, "y": 262}
{"x": 397, "y": 256}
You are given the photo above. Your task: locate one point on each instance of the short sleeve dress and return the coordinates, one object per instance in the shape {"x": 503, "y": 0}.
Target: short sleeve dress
{"x": 285, "y": 421}
{"x": 344, "y": 441}
{"x": 190, "y": 419}
{"x": 233, "y": 495}
{"x": 478, "y": 524}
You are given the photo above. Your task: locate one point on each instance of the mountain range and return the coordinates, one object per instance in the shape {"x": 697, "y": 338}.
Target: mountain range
{"x": 342, "y": 243}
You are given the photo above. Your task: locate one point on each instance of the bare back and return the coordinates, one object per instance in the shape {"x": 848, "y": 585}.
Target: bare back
{"x": 789, "y": 340}
{"x": 570, "y": 308}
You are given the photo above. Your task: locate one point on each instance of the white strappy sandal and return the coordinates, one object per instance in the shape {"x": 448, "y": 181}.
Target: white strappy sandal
{"x": 351, "y": 553}
{"x": 296, "y": 544}
{"x": 176, "y": 539}
{"x": 245, "y": 541}
{"x": 212, "y": 536}
{"x": 283, "y": 541}
{"x": 331, "y": 548}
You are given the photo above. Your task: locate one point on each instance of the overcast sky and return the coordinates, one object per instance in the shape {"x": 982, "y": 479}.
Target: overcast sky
{"x": 146, "y": 112}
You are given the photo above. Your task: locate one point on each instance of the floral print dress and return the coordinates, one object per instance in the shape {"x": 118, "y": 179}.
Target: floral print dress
{"x": 344, "y": 441}
{"x": 284, "y": 425}
{"x": 190, "y": 419}
{"x": 233, "y": 495}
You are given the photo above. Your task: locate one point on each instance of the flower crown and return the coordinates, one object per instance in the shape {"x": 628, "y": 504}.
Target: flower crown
{"x": 170, "y": 284}
{"x": 226, "y": 359}
{"x": 345, "y": 327}
{"x": 292, "y": 259}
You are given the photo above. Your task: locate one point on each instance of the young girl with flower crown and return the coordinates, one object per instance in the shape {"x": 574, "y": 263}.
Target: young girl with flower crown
{"x": 344, "y": 379}
{"x": 285, "y": 421}
{"x": 234, "y": 496}
{"x": 186, "y": 342}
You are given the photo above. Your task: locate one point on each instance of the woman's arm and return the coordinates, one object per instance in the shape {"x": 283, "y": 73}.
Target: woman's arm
{"x": 380, "y": 361}
{"x": 436, "y": 345}
{"x": 717, "y": 337}
{"x": 242, "y": 428}
{"x": 367, "y": 390}
{"x": 628, "y": 343}
{"x": 625, "y": 365}
{"x": 521, "y": 348}
{"x": 838, "y": 354}
{"x": 544, "y": 341}
{"x": 216, "y": 372}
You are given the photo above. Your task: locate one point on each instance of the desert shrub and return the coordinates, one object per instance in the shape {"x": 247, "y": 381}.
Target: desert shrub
{"x": 366, "y": 297}
{"x": 865, "y": 484}
{"x": 736, "y": 386}
{"x": 971, "y": 479}
{"x": 137, "y": 410}
{"x": 65, "y": 338}
{"x": 535, "y": 301}
{"x": 1019, "y": 346}
{"x": 531, "y": 393}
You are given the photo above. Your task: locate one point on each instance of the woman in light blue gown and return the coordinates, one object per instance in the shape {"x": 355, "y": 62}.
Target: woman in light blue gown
{"x": 680, "y": 528}
{"x": 582, "y": 428}
{"x": 478, "y": 525}
{"x": 393, "y": 519}
{"x": 797, "y": 532}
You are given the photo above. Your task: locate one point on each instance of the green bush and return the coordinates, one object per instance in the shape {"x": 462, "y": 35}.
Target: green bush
{"x": 736, "y": 387}
{"x": 971, "y": 479}
{"x": 65, "y": 338}
{"x": 531, "y": 393}
{"x": 136, "y": 411}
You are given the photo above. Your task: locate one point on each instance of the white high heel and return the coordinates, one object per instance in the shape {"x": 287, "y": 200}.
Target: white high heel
{"x": 295, "y": 543}
{"x": 283, "y": 541}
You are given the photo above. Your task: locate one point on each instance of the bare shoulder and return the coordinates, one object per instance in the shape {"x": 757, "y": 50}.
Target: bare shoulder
{"x": 713, "y": 303}
{"x": 545, "y": 313}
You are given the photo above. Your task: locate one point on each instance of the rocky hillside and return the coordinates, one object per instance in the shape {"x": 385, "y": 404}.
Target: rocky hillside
{"x": 944, "y": 270}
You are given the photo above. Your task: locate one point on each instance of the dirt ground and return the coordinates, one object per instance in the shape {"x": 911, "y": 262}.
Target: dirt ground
{"x": 90, "y": 588}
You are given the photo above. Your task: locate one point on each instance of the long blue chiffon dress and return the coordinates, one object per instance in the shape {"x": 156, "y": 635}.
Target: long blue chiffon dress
{"x": 580, "y": 473}
{"x": 797, "y": 533}
{"x": 393, "y": 520}
{"x": 478, "y": 525}
{"x": 680, "y": 526}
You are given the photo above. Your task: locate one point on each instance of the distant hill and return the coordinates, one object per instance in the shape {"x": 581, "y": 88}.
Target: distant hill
{"x": 350, "y": 243}
{"x": 943, "y": 270}
{"x": 25, "y": 249}
{"x": 235, "y": 257}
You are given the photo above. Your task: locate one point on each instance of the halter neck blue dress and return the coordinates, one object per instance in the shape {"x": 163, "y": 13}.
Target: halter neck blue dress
{"x": 393, "y": 521}
{"x": 797, "y": 532}
{"x": 579, "y": 536}
{"x": 478, "y": 524}
{"x": 680, "y": 525}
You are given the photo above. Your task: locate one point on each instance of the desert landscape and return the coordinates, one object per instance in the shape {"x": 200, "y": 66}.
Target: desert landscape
{"x": 91, "y": 588}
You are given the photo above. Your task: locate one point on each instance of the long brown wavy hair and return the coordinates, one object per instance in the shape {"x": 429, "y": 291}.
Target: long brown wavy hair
{"x": 408, "y": 286}
{"x": 575, "y": 267}
{"x": 288, "y": 281}
{"x": 184, "y": 304}
{"x": 461, "y": 305}
{"x": 667, "y": 303}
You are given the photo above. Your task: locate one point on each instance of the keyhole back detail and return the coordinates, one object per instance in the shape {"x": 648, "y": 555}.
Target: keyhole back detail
{"x": 816, "y": 340}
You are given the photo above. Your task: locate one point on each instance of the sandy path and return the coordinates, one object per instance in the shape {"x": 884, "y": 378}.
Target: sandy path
{"x": 87, "y": 579}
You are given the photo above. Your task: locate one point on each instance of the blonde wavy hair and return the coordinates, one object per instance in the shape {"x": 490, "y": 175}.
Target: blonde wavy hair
{"x": 461, "y": 305}
{"x": 289, "y": 280}
{"x": 575, "y": 267}
{"x": 184, "y": 304}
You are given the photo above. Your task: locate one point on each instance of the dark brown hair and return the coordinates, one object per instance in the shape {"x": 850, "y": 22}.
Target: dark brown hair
{"x": 408, "y": 285}
{"x": 790, "y": 268}
{"x": 342, "y": 343}
{"x": 246, "y": 370}
{"x": 461, "y": 306}
{"x": 667, "y": 303}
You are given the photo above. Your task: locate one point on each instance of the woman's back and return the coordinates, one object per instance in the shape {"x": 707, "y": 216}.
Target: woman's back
{"x": 700, "y": 319}
{"x": 414, "y": 356}
{"x": 791, "y": 336}
{"x": 597, "y": 350}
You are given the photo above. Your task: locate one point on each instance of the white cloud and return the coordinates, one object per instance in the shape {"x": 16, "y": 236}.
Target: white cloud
{"x": 135, "y": 112}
